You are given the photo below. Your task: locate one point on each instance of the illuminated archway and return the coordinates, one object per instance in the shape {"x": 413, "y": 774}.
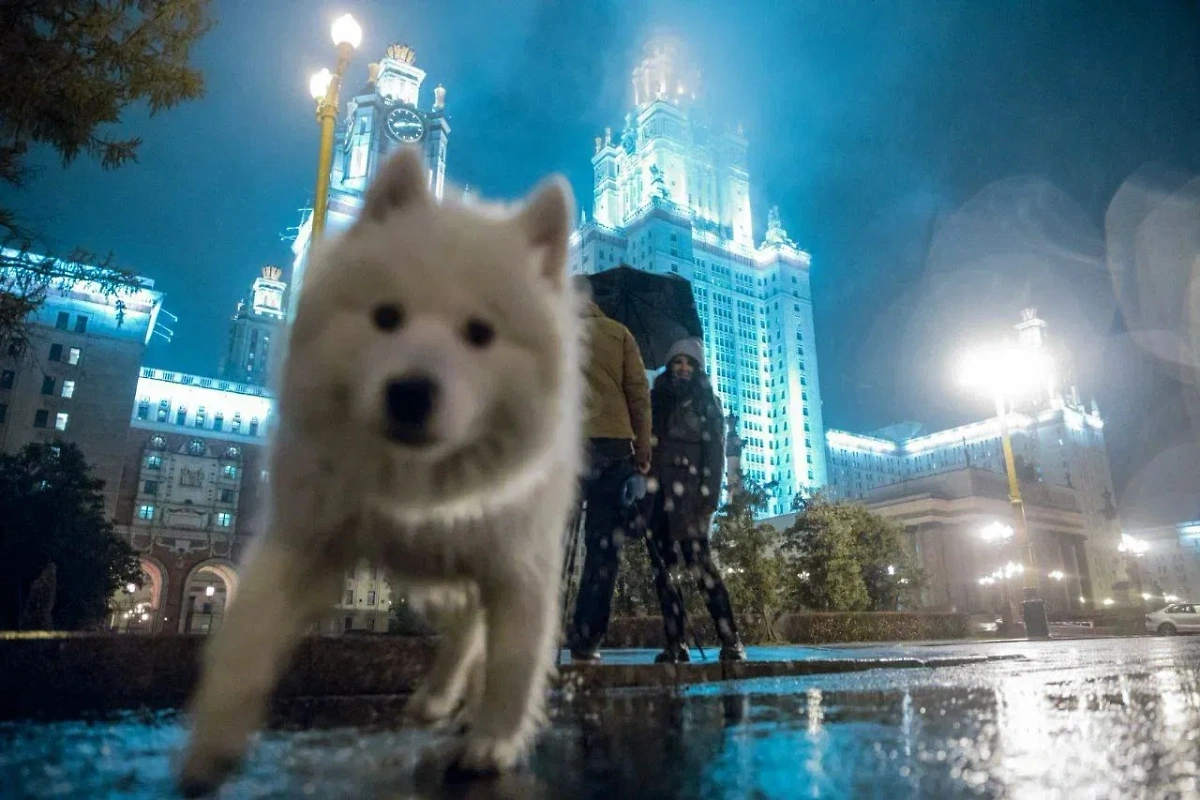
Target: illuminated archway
{"x": 135, "y": 609}
{"x": 209, "y": 589}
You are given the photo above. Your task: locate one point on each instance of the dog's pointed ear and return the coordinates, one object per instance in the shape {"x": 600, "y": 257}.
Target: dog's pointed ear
{"x": 401, "y": 182}
{"x": 546, "y": 221}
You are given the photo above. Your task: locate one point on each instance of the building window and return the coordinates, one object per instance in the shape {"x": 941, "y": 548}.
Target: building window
{"x": 63, "y": 319}
{"x": 218, "y": 421}
{"x": 230, "y": 472}
{"x": 200, "y": 415}
{"x": 81, "y": 323}
{"x": 153, "y": 462}
{"x": 224, "y": 519}
{"x": 164, "y": 410}
{"x": 349, "y": 601}
{"x": 237, "y": 422}
{"x": 56, "y": 352}
{"x": 181, "y": 415}
{"x": 143, "y": 410}
{"x": 254, "y": 426}
{"x": 60, "y": 421}
{"x": 68, "y": 388}
{"x": 150, "y": 487}
{"x": 47, "y": 384}
{"x": 228, "y": 496}
{"x": 7, "y": 379}
{"x": 146, "y": 511}
{"x": 73, "y": 356}
{"x": 40, "y": 418}
{"x": 371, "y": 597}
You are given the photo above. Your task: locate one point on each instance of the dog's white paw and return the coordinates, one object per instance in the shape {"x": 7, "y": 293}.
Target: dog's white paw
{"x": 430, "y": 708}
{"x": 487, "y": 755}
{"x": 205, "y": 768}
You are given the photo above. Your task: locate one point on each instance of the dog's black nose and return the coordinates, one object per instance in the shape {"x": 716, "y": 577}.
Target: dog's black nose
{"x": 409, "y": 403}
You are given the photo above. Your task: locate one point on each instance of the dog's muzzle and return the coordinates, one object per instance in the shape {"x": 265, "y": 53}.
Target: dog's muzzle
{"x": 409, "y": 403}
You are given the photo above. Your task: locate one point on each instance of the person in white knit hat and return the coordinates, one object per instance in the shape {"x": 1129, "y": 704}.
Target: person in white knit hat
{"x": 686, "y": 468}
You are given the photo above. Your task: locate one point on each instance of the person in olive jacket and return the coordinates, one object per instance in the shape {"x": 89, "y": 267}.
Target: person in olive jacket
{"x": 617, "y": 425}
{"x": 686, "y": 467}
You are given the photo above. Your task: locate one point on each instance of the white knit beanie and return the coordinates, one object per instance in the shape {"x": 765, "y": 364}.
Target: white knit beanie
{"x": 693, "y": 348}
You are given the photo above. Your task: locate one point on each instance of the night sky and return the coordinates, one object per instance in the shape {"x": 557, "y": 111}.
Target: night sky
{"x": 946, "y": 163}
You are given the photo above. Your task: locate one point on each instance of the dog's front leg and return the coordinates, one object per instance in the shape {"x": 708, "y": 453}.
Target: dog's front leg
{"x": 521, "y": 613}
{"x": 282, "y": 593}
{"x": 460, "y": 650}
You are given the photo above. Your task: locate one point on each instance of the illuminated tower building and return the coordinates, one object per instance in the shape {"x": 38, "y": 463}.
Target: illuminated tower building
{"x": 258, "y": 322}
{"x": 384, "y": 114}
{"x": 672, "y": 194}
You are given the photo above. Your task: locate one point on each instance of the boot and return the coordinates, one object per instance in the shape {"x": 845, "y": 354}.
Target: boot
{"x": 581, "y": 656}
{"x": 675, "y": 653}
{"x": 733, "y": 651}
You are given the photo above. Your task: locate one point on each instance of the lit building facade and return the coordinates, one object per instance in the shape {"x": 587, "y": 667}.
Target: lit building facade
{"x": 384, "y": 114}
{"x": 672, "y": 195}
{"x": 76, "y": 376}
{"x": 192, "y": 495}
{"x": 1056, "y": 440}
{"x": 256, "y": 331}
{"x": 1168, "y": 564}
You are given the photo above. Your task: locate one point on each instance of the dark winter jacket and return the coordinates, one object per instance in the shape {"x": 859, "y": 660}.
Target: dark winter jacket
{"x": 689, "y": 456}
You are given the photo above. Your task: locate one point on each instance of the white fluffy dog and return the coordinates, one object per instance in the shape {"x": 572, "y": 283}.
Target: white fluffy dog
{"x": 429, "y": 422}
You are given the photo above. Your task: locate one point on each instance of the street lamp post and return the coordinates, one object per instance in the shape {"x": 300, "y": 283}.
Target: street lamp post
{"x": 1002, "y": 372}
{"x": 1033, "y": 608}
{"x": 324, "y": 87}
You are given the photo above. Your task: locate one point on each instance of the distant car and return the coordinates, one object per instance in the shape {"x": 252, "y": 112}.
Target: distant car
{"x": 1175, "y": 618}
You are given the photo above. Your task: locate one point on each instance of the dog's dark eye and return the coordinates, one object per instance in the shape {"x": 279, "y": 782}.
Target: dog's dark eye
{"x": 387, "y": 316}
{"x": 479, "y": 333}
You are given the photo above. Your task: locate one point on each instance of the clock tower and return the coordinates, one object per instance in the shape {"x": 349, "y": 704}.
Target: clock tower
{"x": 384, "y": 114}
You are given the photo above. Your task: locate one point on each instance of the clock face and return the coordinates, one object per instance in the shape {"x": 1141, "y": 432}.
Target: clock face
{"x": 406, "y": 125}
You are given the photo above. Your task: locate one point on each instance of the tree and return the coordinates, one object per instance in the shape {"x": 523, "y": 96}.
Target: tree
{"x": 843, "y": 557}
{"x": 71, "y": 69}
{"x": 52, "y": 512}
{"x": 821, "y": 552}
{"x": 746, "y": 548}
{"x": 889, "y": 569}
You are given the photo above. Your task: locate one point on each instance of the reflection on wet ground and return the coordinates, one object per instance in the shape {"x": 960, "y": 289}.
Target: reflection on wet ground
{"x": 1100, "y": 718}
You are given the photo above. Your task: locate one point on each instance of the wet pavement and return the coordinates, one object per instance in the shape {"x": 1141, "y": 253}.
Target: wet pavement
{"x": 1081, "y": 719}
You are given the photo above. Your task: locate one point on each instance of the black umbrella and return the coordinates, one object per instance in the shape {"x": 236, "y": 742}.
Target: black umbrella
{"x": 658, "y": 309}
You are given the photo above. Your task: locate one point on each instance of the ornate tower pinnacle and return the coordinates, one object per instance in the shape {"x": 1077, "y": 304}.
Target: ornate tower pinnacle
{"x": 665, "y": 73}
{"x": 402, "y": 53}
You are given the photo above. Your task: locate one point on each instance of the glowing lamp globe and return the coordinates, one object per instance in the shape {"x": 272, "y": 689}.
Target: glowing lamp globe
{"x": 318, "y": 84}
{"x": 346, "y": 30}
{"x": 1007, "y": 370}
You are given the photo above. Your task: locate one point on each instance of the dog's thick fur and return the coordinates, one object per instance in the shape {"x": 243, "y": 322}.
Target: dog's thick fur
{"x": 470, "y": 518}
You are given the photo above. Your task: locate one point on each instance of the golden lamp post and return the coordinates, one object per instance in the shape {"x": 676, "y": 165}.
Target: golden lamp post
{"x": 1003, "y": 373}
{"x": 324, "y": 86}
